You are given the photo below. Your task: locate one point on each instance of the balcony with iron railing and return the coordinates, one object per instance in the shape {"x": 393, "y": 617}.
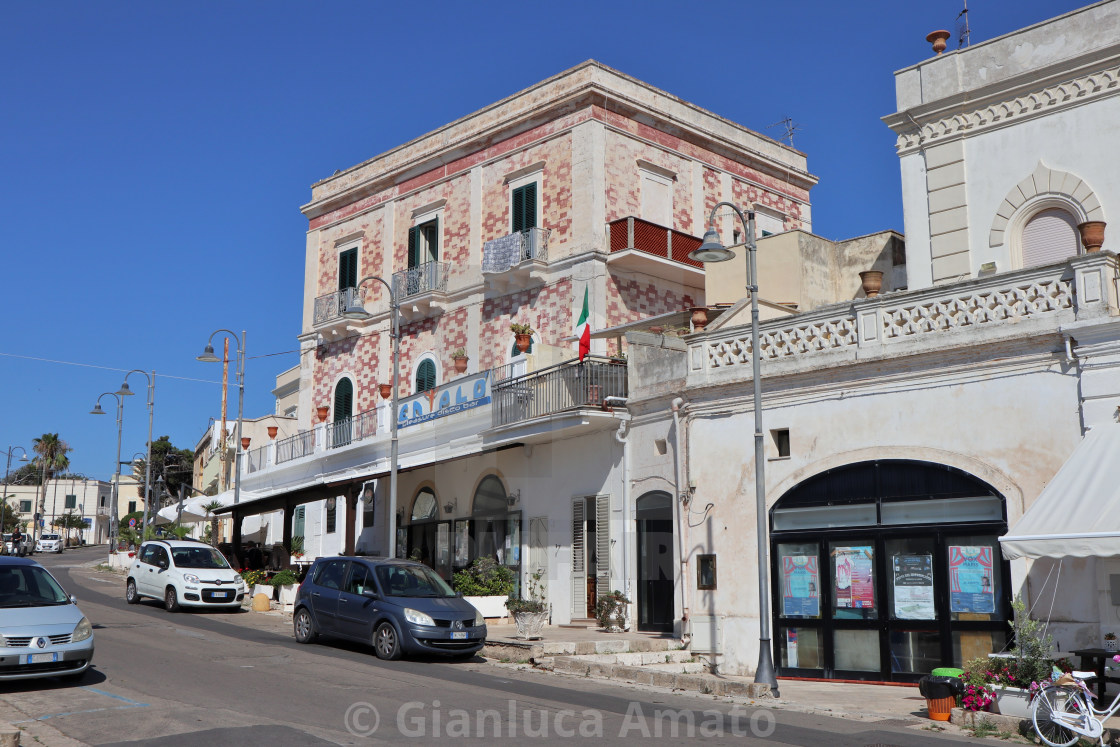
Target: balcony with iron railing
{"x": 641, "y": 246}
{"x": 422, "y": 290}
{"x": 329, "y": 308}
{"x": 515, "y": 259}
{"x": 565, "y": 386}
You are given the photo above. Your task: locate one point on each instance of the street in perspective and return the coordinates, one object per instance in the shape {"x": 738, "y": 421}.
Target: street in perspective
{"x": 766, "y": 395}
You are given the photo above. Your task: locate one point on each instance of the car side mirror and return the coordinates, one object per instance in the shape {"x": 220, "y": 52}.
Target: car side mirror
{"x": 73, "y": 599}
{"x": 164, "y": 565}
{"x": 369, "y": 593}
{"x": 459, "y": 594}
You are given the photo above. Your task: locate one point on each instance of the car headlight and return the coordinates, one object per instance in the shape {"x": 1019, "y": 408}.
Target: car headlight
{"x": 82, "y": 631}
{"x": 418, "y": 618}
{"x": 190, "y": 578}
{"x": 479, "y": 620}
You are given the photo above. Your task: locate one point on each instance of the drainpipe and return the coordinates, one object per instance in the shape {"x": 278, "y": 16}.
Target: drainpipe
{"x": 620, "y": 436}
{"x": 682, "y": 524}
{"x": 1072, "y": 358}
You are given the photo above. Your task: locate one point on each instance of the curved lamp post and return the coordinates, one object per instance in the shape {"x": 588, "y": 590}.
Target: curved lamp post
{"x": 713, "y": 250}
{"x": 208, "y": 356}
{"x": 7, "y": 469}
{"x": 113, "y": 521}
{"x": 124, "y": 391}
{"x": 358, "y": 311}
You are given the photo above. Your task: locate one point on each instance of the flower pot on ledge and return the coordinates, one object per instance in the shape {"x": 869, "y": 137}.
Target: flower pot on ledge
{"x": 1092, "y": 235}
{"x": 523, "y": 341}
{"x": 385, "y": 390}
{"x": 322, "y": 413}
{"x": 872, "y": 282}
{"x": 460, "y": 364}
{"x": 1012, "y": 701}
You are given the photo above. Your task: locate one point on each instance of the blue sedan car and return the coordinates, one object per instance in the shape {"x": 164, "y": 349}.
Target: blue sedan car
{"x": 398, "y": 606}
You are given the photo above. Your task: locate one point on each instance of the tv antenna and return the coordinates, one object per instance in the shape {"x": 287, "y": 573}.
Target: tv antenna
{"x": 963, "y": 30}
{"x": 790, "y": 128}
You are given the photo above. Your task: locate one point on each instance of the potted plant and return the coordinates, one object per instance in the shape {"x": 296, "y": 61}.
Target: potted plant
{"x": 460, "y": 358}
{"x": 523, "y": 334}
{"x": 257, "y": 582}
{"x": 1011, "y": 679}
{"x": 530, "y": 614}
{"x": 285, "y": 582}
{"x": 610, "y": 611}
{"x": 385, "y": 390}
{"x": 1110, "y": 641}
{"x": 486, "y": 585}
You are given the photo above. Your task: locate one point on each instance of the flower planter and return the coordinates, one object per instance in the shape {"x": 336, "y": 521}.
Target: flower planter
{"x": 322, "y": 413}
{"x": 460, "y": 365}
{"x": 872, "y": 282}
{"x": 523, "y": 342}
{"x": 530, "y": 624}
{"x": 699, "y": 318}
{"x": 1013, "y": 701}
{"x": 385, "y": 390}
{"x": 1092, "y": 235}
{"x": 489, "y": 606}
{"x": 1110, "y": 645}
{"x": 288, "y": 597}
{"x": 265, "y": 589}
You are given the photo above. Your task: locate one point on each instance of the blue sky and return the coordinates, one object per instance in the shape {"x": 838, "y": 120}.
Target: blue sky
{"x": 153, "y": 157}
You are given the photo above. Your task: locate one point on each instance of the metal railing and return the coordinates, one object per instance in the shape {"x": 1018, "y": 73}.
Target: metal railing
{"x": 256, "y": 458}
{"x": 294, "y": 447}
{"x": 499, "y": 255}
{"x": 330, "y": 307}
{"x": 425, "y": 278}
{"x": 650, "y": 238}
{"x": 355, "y": 428}
{"x": 565, "y": 386}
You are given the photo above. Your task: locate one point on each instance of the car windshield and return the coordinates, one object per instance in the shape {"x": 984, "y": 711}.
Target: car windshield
{"x": 49, "y": 537}
{"x": 29, "y": 586}
{"x": 412, "y": 581}
{"x": 198, "y": 557}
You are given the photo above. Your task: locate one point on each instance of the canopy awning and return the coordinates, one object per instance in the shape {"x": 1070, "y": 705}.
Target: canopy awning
{"x": 1078, "y": 513}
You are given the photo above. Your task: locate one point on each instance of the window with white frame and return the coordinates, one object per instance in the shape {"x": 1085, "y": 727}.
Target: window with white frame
{"x": 423, "y": 241}
{"x": 348, "y": 267}
{"x": 1049, "y": 236}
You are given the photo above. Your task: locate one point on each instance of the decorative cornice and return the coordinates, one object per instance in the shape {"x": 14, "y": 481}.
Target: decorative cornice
{"x": 1009, "y": 110}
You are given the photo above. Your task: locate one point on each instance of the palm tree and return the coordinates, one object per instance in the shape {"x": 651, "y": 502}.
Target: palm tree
{"x": 209, "y": 508}
{"x": 51, "y": 457}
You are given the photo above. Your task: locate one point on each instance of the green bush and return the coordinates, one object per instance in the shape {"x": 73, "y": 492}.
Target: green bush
{"x": 611, "y": 609}
{"x": 484, "y": 578}
{"x": 284, "y": 578}
{"x": 535, "y": 602}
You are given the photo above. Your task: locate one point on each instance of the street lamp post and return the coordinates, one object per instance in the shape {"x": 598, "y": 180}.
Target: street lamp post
{"x": 357, "y": 311}
{"x": 125, "y": 391}
{"x": 7, "y": 469}
{"x": 713, "y": 250}
{"x": 117, "y": 476}
{"x": 208, "y": 356}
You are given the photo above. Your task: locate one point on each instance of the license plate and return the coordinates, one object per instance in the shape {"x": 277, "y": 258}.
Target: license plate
{"x": 39, "y": 658}
{"x": 222, "y": 594}
{"x": 459, "y": 635}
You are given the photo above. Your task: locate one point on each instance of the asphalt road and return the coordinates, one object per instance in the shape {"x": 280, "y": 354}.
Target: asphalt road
{"x": 240, "y": 679}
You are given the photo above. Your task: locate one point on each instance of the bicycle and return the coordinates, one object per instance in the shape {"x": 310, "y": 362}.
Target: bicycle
{"x": 1063, "y": 712}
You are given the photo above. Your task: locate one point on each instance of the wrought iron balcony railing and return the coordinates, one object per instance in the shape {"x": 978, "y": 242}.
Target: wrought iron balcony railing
{"x": 565, "y": 386}
{"x": 328, "y": 308}
{"x": 499, "y": 255}
{"x": 294, "y": 447}
{"x": 426, "y": 278}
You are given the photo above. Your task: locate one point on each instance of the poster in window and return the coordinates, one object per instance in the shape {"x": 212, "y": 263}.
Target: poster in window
{"x": 913, "y": 587}
{"x": 461, "y": 543}
{"x": 971, "y": 587}
{"x": 854, "y": 587}
{"x": 800, "y": 581}
{"x": 791, "y": 646}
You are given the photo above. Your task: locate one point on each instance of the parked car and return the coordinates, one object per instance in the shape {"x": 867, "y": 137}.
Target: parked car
{"x": 42, "y": 631}
{"x": 49, "y": 543}
{"x": 397, "y": 606}
{"x": 20, "y": 549}
{"x": 183, "y": 574}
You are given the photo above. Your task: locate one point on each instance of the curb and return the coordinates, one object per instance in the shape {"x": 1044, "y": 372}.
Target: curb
{"x": 1014, "y": 724}
{"x": 706, "y": 684}
{"x": 9, "y": 735}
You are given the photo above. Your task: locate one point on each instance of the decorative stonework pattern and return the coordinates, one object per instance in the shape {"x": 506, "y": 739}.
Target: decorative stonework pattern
{"x": 978, "y": 308}
{"x": 793, "y": 341}
{"x": 1068, "y": 93}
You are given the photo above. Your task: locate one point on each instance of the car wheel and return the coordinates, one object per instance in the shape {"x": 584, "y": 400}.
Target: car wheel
{"x": 171, "y": 600}
{"x": 130, "y": 594}
{"x": 305, "y": 626}
{"x": 385, "y": 642}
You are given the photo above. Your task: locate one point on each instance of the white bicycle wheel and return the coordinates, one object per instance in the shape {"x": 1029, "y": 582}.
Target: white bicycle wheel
{"x": 1052, "y": 701}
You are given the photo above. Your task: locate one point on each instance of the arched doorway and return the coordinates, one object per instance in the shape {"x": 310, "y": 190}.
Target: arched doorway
{"x": 654, "y": 517}
{"x": 883, "y": 570}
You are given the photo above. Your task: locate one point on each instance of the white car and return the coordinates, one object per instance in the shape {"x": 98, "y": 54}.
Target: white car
{"x": 49, "y": 543}
{"x": 23, "y": 548}
{"x": 182, "y": 573}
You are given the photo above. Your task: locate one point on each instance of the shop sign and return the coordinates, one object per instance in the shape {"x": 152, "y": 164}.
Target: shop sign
{"x": 464, "y": 394}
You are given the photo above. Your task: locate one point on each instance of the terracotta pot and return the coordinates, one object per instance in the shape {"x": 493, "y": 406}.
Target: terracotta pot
{"x": 272, "y": 429}
{"x": 1092, "y": 235}
{"x": 245, "y": 440}
{"x": 699, "y": 317}
{"x": 460, "y": 364}
{"x": 872, "y": 282}
{"x": 938, "y": 39}
{"x": 322, "y": 411}
{"x": 385, "y": 390}
{"x": 523, "y": 342}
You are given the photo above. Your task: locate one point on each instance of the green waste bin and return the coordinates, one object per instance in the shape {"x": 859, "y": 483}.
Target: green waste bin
{"x": 947, "y": 672}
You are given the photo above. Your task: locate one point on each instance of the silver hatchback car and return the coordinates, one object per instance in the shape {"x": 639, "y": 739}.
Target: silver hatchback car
{"x": 42, "y": 631}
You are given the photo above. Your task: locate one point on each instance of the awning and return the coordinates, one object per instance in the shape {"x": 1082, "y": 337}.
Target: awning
{"x": 1078, "y": 513}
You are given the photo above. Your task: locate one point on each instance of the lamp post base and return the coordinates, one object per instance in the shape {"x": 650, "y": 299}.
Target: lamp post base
{"x": 764, "y": 673}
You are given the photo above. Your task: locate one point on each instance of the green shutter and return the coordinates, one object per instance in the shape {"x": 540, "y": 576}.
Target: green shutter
{"x": 433, "y": 241}
{"x": 524, "y": 207}
{"x": 425, "y": 376}
{"x": 413, "y": 247}
{"x": 348, "y": 269}
{"x": 343, "y": 400}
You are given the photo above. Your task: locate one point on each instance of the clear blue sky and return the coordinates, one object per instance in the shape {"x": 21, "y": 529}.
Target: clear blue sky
{"x": 154, "y": 155}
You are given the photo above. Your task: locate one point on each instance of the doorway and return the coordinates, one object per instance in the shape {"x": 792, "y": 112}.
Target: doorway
{"x": 654, "y": 516}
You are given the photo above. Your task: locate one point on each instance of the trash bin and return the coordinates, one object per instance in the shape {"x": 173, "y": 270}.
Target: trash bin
{"x": 941, "y": 694}
{"x": 947, "y": 672}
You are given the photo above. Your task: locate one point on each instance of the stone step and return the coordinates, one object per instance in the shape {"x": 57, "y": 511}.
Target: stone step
{"x": 639, "y": 658}
{"x": 656, "y": 675}
{"x": 517, "y": 650}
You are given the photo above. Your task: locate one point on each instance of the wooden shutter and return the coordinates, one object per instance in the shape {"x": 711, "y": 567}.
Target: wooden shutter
{"x": 602, "y": 546}
{"x": 1049, "y": 237}
{"x": 425, "y": 376}
{"x": 348, "y": 269}
{"x": 579, "y": 577}
{"x": 343, "y": 400}
{"x": 524, "y": 207}
{"x": 414, "y": 247}
{"x": 433, "y": 241}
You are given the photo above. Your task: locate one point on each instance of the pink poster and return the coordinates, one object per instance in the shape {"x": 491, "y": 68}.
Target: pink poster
{"x": 854, "y": 584}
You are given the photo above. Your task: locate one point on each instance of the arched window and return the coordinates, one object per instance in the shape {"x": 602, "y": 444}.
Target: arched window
{"x": 424, "y": 506}
{"x": 425, "y": 375}
{"x": 490, "y": 497}
{"x": 1049, "y": 236}
{"x": 343, "y": 399}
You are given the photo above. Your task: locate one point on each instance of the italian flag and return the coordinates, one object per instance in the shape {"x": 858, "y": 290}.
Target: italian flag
{"x": 583, "y": 328}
